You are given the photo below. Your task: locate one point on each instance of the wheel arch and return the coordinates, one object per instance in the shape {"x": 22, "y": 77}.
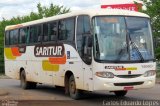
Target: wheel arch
{"x": 68, "y": 74}
{"x": 20, "y": 71}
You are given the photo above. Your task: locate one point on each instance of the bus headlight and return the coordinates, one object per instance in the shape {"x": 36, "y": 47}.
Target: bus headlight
{"x": 105, "y": 74}
{"x": 149, "y": 73}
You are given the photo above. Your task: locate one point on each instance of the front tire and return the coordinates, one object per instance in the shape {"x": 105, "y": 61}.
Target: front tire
{"x": 120, "y": 93}
{"x": 73, "y": 91}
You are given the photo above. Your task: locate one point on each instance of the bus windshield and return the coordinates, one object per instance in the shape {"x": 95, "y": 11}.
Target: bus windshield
{"x": 120, "y": 38}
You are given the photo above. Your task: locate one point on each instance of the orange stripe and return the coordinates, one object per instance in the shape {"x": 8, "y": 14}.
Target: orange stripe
{"x": 58, "y": 60}
{"x": 15, "y": 51}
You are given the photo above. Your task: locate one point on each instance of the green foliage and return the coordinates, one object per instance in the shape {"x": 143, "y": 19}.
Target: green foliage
{"x": 43, "y": 11}
{"x": 158, "y": 69}
{"x": 153, "y": 10}
{"x": 53, "y": 9}
{"x": 157, "y": 53}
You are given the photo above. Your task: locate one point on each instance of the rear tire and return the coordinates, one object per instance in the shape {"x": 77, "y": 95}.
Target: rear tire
{"x": 24, "y": 83}
{"x": 120, "y": 93}
{"x": 74, "y": 93}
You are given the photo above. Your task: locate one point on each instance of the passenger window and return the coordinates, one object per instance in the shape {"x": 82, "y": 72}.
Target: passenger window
{"x": 86, "y": 22}
{"x": 7, "y": 38}
{"x": 62, "y": 30}
{"x": 39, "y": 33}
{"x": 11, "y": 38}
{"x": 70, "y": 29}
{"x": 53, "y": 31}
{"x": 27, "y": 35}
{"x": 45, "y": 32}
{"x": 33, "y": 34}
{"x": 14, "y": 37}
{"x": 83, "y": 27}
{"x": 22, "y": 37}
{"x": 66, "y": 29}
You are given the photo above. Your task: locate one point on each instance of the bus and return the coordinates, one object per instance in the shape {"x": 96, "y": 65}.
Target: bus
{"x": 88, "y": 50}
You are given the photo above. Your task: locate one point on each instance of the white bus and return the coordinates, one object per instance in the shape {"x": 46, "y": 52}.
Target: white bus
{"x": 90, "y": 50}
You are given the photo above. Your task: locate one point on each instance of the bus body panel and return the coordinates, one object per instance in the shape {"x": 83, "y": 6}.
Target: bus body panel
{"x": 33, "y": 67}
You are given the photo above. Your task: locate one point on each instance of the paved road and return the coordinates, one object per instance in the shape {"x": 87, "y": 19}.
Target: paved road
{"x": 44, "y": 95}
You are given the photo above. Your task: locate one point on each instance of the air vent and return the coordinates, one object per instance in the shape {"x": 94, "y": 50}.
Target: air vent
{"x": 129, "y": 76}
{"x": 128, "y": 84}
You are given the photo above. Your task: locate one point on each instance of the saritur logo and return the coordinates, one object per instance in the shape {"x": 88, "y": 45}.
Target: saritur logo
{"x": 51, "y": 50}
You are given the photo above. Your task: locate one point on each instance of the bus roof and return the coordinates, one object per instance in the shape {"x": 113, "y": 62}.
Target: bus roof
{"x": 91, "y": 13}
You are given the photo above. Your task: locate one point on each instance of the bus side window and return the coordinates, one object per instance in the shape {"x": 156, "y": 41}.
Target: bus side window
{"x": 33, "y": 34}
{"x": 7, "y": 38}
{"x": 62, "y": 30}
{"x": 86, "y": 23}
{"x": 52, "y": 31}
{"x": 70, "y": 24}
{"x": 39, "y": 33}
{"x": 66, "y": 29}
{"x": 22, "y": 37}
{"x": 14, "y": 37}
{"x": 79, "y": 34}
{"x": 45, "y": 32}
{"x": 83, "y": 28}
{"x": 27, "y": 35}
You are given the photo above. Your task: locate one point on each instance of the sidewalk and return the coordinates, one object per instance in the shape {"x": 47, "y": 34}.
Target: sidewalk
{"x": 3, "y": 92}
{"x": 4, "y": 77}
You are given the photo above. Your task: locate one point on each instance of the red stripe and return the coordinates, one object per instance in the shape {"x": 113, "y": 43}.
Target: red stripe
{"x": 133, "y": 7}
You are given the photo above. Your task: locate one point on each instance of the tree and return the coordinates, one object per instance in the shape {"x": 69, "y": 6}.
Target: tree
{"x": 43, "y": 11}
{"x": 153, "y": 10}
{"x": 52, "y": 10}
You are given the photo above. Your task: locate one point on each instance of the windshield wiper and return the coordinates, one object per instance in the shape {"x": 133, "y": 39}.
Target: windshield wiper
{"x": 134, "y": 45}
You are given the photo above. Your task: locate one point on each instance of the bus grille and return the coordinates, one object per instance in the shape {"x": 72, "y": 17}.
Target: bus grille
{"x": 128, "y": 84}
{"x": 128, "y": 76}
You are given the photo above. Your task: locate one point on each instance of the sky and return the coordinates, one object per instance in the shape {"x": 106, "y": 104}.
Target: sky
{"x": 13, "y": 8}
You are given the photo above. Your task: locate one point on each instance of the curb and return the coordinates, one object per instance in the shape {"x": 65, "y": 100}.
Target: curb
{"x": 4, "y": 77}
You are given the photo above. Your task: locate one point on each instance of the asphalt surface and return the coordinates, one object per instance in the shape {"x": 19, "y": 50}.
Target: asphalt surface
{"x": 45, "y": 95}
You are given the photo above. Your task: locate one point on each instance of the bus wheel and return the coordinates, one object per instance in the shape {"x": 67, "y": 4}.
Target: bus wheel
{"x": 24, "y": 84}
{"x": 120, "y": 93}
{"x": 74, "y": 93}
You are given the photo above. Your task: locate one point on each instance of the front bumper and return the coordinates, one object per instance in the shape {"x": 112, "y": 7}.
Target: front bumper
{"x": 116, "y": 84}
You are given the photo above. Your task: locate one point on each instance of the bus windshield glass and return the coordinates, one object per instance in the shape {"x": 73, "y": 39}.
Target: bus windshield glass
{"x": 119, "y": 38}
